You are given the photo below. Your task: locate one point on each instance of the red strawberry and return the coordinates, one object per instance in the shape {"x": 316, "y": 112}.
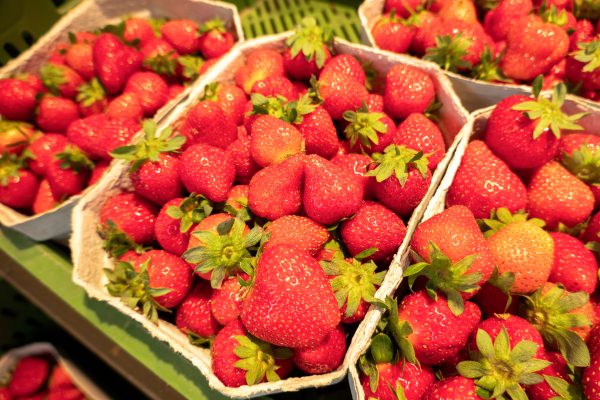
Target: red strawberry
{"x": 234, "y": 356}
{"x": 126, "y": 105}
{"x": 15, "y": 136}
{"x": 407, "y": 91}
{"x": 375, "y": 102}
{"x": 329, "y": 193}
{"x": 400, "y": 178}
{"x": 226, "y": 302}
{"x": 150, "y": 89}
{"x": 413, "y": 380}
{"x": 345, "y": 64}
{"x": 366, "y": 230}
{"x": 132, "y": 215}
{"x": 556, "y": 196}
{"x": 592, "y": 232}
{"x": 68, "y": 172}
{"x": 420, "y": 133}
{"x": 259, "y": 65}
{"x": 42, "y": 150}
{"x": 299, "y": 231}
{"x": 484, "y": 183}
{"x": 574, "y": 265}
{"x": 289, "y": 283}
{"x": 590, "y": 381}
{"x": 276, "y": 190}
{"x": 369, "y": 132}
{"x": 403, "y": 8}
{"x": 32, "y": 80}
{"x": 581, "y": 66}
{"x": 79, "y": 57}
{"x": 452, "y": 388}
{"x": 29, "y": 376}
{"x": 193, "y": 315}
{"x": 98, "y": 134}
{"x": 356, "y": 164}
{"x": 273, "y": 86}
{"x": 318, "y": 131}
{"x": 459, "y": 45}
{"x": 114, "y": 62}
{"x": 55, "y": 114}
{"x": 273, "y": 140}
{"x": 501, "y": 18}
{"x": 245, "y": 166}
{"x": 230, "y": 98}
{"x": 138, "y": 29}
{"x": 325, "y": 356}
{"x": 207, "y": 170}
{"x": 584, "y": 31}
{"x": 517, "y": 328}
{"x": 215, "y": 40}
{"x": 207, "y": 123}
{"x": 91, "y": 98}
{"x": 237, "y": 200}
{"x": 341, "y": 92}
{"x": 175, "y": 90}
{"x": 182, "y": 34}
{"x": 59, "y": 378}
{"x": 66, "y": 393}
{"x": 17, "y": 100}
{"x": 18, "y": 186}
{"x": 44, "y": 199}
{"x": 60, "y": 80}
{"x": 393, "y": 33}
{"x": 427, "y": 25}
{"x": 307, "y": 50}
{"x": 161, "y": 57}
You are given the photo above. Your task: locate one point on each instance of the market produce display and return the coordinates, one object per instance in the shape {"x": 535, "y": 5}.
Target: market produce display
{"x": 59, "y": 125}
{"x": 502, "y": 294}
{"x": 499, "y": 41}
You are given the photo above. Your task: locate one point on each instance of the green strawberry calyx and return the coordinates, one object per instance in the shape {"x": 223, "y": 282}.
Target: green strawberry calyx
{"x": 551, "y": 313}
{"x": 501, "y": 217}
{"x": 488, "y": 68}
{"x": 445, "y": 276}
{"x": 52, "y": 77}
{"x": 279, "y": 107}
{"x": 211, "y": 91}
{"x": 215, "y": 24}
{"x": 565, "y": 389}
{"x": 396, "y": 161}
{"x": 553, "y": 16}
{"x": 380, "y": 351}
{"x": 364, "y": 126}
{"x": 499, "y": 370}
{"x": 75, "y": 159}
{"x": 238, "y": 207}
{"x": 449, "y": 52}
{"x": 190, "y": 211}
{"x": 311, "y": 40}
{"x": 116, "y": 242}
{"x": 504, "y": 282}
{"x": 353, "y": 282}
{"x": 584, "y": 163}
{"x": 226, "y": 251}
{"x": 190, "y": 66}
{"x": 134, "y": 288}
{"x": 90, "y": 93}
{"x": 149, "y": 147}
{"x": 548, "y": 113}
{"x": 10, "y": 167}
{"x": 589, "y": 54}
{"x": 259, "y": 359}
{"x": 162, "y": 64}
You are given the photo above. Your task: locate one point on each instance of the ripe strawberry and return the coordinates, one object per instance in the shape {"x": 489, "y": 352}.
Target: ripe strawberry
{"x": 393, "y": 33}
{"x": 160, "y": 57}
{"x": 18, "y": 186}
{"x": 369, "y": 132}
{"x": 427, "y": 25}
{"x": 404, "y": 8}
{"x": 98, "y": 134}
{"x": 307, "y": 50}
{"x": 193, "y": 314}
{"x": 91, "y": 98}
{"x": 215, "y": 40}
{"x": 329, "y": 193}
{"x": 150, "y": 89}
{"x": 240, "y": 359}
{"x": 500, "y": 19}
{"x": 484, "y": 183}
{"x": 375, "y": 102}
{"x": 126, "y": 105}
{"x": 245, "y": 166}
{"x": 17, "y": 100}
{"x": 325, "y": 357}
{"x": 132, "y": 215}
{"x": 555, "y": 372}
{"x": 175, "y": 90}
{"x": 68, "y": 172}
{"x": 273, "y": 140}
{"x": 574, "y": 266}
{"x": 582, "y": 66}
{"x": 60, "y": 80}
{"x": 412, "y": 379}
{"x": 29, "y": 376}
{"x": 341, "y": 92}
{"x": 226, "y": 302}
{"x": 32, "y": 80}
{"x": 207, "y": 123}
{"x": 517, "y": 328}
{"x": 358, "y": 165}
{"x": 273, "y": 86}
{"x": 556, "y": 196}
{"x": 344, "y": 64}
{"x": 452, "y": 388}
{"x": 407, "y": 91}
{"x": 420, "y": 133}
{"x": 207, "y": 170}
{"x": 525, "y": 56}
{"x": 55, "y": 114}
{"x": 79, "y": 57}
{"x": 59, "y": 378}
{"x": 366, "y": 230}
{"x": 114, "y": 62}
{"x": 300, "y": 291}
{"x": 237, "y": 201}
{"x": 462, "y": 10}
{"x": 459, "y": 45}
{"x": 299, "y": 231}
{"x": 15, "y": 136}
{"x": 182, "y": 34}
{"x": 590, "y": 381}
{"x": 259, "y": 65}
{"x": 229, "y": 97}
{"x": 138, "y": 29}
{"x": 44, "y": 199}
{"x": 400, "y": 178}
{"x": 65, "y": 393}
{"x": 319, "y": 133}
{"x": 276, "y": 190}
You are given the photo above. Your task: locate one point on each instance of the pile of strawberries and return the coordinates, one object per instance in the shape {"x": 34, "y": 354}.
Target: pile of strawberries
{"x": 511, "y": 41}
{"x": 40, "y": 377}
{"x": 264, "y": 221}
{"x": 58, "y": 126}
{"x": 504, "y": 300}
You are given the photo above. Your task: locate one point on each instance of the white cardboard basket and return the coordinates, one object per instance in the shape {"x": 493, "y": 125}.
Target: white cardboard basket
{"x": 89, "y": 259}
{"x": 472, "y": 130}
{"x": 89, "y": 15}
{"x": 475, "y": 94}
{"x": 9, "y": 361}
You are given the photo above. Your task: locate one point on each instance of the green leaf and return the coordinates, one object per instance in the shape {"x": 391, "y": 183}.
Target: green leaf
{"x": 382, "y": 349}
{"x": 589, "y": 54}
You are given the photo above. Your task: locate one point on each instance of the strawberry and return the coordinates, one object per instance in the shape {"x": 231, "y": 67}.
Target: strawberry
{"x": 273, "y": 140}
{"x": 452, "y": 388}
{"x": 556, "y": 196}
{"x": 276, "y": 190}
{"x": 91, "y": 98}
{"x": 299, "y": 231}
{"x": 175, "y": 90}
{"x": 517, "y": 328}
{"x": 483, "y": 183}
{"x": 32, "y": 80}
{"x": 459, "y": 45}
{"x": 132, "y": 215}
{"x": 245, "y": 166}
{"x": 341, "y": 92}
{"x": 319, "y": 133}
{"x": 584, "y": 31}
{"x": 307, "y": 50}
{"x": 393, "y": 33}
{"x": 182, "y": 34}
{"x": 29, "y": 376}
{"x": 365, "y": 230}
{"x": 114, "y": 62}
{"x": 229, "y": 97}
{"x": 525, "y": 56}
{"x": 226, "y": 302}
{"x": 420, "y": 133}
{"x": 404, "y": 8}
{"x": 375, "y": 102}
{"x": 150, "y": 89}
{"x": 273, "y": 86}
{"x": 400, "y": 178}
{"x": 66, "y": 393}
{"x": 426, "y": 30}
{"x": 60, "y": 80}
{"x": 215, "y": 40}
{"x": 44, "y": 199}
{"x": 55, "y": 114}
{"x": 259, "y": 65}
{"x": 407, "y": 91}
{"x": 325, "y": 357}
{"x": 300, "y": 291}
{"x": 358, "y": 165}
{"x": 98, "y": 135}
{"x": 237, "y": 202}
{"x": 500, "y": 19}
{"x": 452, "y": 241}
{"x": 575, "y": 266}
{"x": 79, "y": 57}
{"x": 582, "y": 66}
{"x": 410, "y": 379}
{"x": 17, "y": 100}
{"x": 592, "y": 232}
{"x": 193, "y": 314}
{"x": 68, "y": 172}
{"x": 160, "y": 57}
{"x": 344, "y": 64}
{"x": 556, "y": 376}
{"x": 461, "y": 10}
{"x": 207, "y": 123}
{"x": 18, "y": 186}
{"x": 15, "y": 136}
{"x": 126, "y": 105}
{"x": 369, "y": 132}
{"x": 590, "y": 381}
{"x": 138, "y": 29}
{"x": 240, "y": 359}
{"x": 207, "y": 170}
{"x": 59, "y": 378}
{"x": 329, "y": 193}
